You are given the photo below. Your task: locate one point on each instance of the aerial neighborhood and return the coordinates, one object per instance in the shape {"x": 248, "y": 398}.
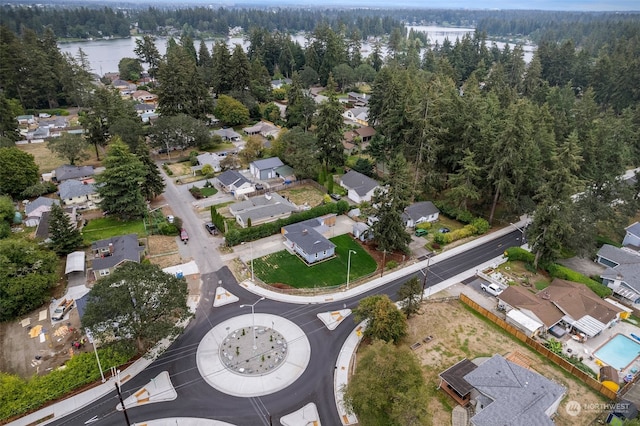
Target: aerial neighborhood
{"x": 460, "y": 214}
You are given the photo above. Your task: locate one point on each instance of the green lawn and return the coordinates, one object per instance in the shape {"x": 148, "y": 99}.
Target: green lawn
{"x": 283, "y": 267}
{"x": 208, "y": 191}
{"x": 107, "y": 227}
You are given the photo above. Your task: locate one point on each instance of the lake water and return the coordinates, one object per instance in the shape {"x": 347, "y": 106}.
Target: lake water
{"x": 104, "y": 55}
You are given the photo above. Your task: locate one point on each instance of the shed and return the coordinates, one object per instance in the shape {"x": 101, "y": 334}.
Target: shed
{"x": 609, "y": 377}
{"x": 522, "y": 322}
{"x": 75, "y": 262}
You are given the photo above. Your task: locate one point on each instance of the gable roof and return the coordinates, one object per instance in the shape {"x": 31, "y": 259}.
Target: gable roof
{"x": 73, "y": 172}
{"x": 361, "y": 113}
{"x": 454, "y": 376}
{"x": 74, "y": 188}
{"x": 520, "y": 397}
{"x": 305, "y": 236}
{"x": 365, "y": 131}
{"x": 523, "y": 299}
{"x": 227, "y": 133}
{"x": 125, "y": 247}
{"x": 360, "y": 183}
{"x": 578, "y": 301}
{"x": 268, "y": 163}
{"x": 422, "y": 209}
{"x": 633, "y": 229}
{"x": 232, "y": 177}
{"x": 628, "y": 269}
{"x": 42, "y": 230}
{"x": 39, "y": 202}
{"x": 260, "y": 207}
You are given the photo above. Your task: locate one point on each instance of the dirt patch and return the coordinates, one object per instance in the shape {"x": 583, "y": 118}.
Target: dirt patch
{"x": 47, "y": 161}
{"x": 303, "y": 194}
{"x": 457, "y": 333}
{"x": 180, "y": 169}
{"x": 163, "y": 251}
{"x": 19, "y": 352}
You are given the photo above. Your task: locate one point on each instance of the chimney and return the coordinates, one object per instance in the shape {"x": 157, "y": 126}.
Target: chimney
{"x": 305, "y": 231}
{"x": 111, "y": 248}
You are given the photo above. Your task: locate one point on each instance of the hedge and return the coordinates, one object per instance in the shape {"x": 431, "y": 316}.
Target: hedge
{"x": 237, "y": 236}
{"x": 18, "y": 396}
{"x": 456, "y": 213}
{"x": 517, "y": 253}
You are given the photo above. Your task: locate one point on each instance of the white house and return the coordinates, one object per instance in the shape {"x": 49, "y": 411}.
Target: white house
{"x": 359, "y": 187}
{"x": 632, "y": 237}
{"x": 416, "y": 213}
{"x": 75, "y": 192}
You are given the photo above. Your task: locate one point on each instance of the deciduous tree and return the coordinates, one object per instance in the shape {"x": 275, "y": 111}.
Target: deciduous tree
{"x": 18, "y": 171}
{"x": 69, "y": 146}
{"x": 137, "y": 302}
{"x": 231, "y": 111}
{"x": 386, "y": 321}
{"x": 130, "y": 69}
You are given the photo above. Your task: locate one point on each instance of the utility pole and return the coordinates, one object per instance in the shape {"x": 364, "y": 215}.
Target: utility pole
{"x": 424, "y": 282}
{"x": 384, "y": 255}
{"x": 124, "y": 409}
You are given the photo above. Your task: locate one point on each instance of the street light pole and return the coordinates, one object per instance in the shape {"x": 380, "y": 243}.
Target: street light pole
{"x": 253, "y": 320}
{"x": 251, "y": 248}
{"x": 424, "y": 282}
{"x": 95, "y": 350}
{"x": 349, "y": 266}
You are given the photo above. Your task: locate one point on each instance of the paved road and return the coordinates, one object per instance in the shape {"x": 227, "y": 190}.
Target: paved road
{"x": 197, "y": 399}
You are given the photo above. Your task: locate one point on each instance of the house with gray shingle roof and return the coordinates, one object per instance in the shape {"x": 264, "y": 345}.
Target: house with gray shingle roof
{"x": 210, "y": 158}
{"x": 232, "y": 180}
{"x": 261, "y": 209}
{"x": 113, "y": 252}
{"x": 509, "y": 394}
{"x": 306, "y": 239}
{"x": 623, "y": 271}
{"x": 36, "y": 209}
{"x": 416, "y": 213}
{"x": 67, "y": 171}
{"x": 265, "y": 168}
{"x": 227, "y": 134}
{"x": 78, "y": 192}
{"x": 632, "y": 237}
{"x": 359, "y": 187}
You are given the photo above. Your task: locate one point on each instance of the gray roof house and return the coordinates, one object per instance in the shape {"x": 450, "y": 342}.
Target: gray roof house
{"x": 66, "y": 172}
{"x": 359, "y": 115}
{"x": 113, "y": 252}
{"x": 261, "y": 209}
{"x": 424, "y": 211}
{"x": 232, "y": 180}
{"x": 263, "y": 128}
{"x": 227, "y": 134}
{"x": 632, "y": 237}
{"x": 512, "y": 395}
{"x": 78, "y": 192}
{"x": 306, "y": 239}
{"x": 38, "y": 203}
{"x": 210, "y": 158}
{"x": 623, "y": 271}
{"x": 265, "y": 168}
{"x": 359, "y": 187}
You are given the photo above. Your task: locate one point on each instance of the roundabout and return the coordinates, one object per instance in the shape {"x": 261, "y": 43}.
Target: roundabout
{"x": 253, "y": 355}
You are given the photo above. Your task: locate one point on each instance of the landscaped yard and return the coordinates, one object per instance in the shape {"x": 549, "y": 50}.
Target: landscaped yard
{"x": 283, "y": 267}
{"x": 107, "y": 227}
{"x": 459, "y": 333}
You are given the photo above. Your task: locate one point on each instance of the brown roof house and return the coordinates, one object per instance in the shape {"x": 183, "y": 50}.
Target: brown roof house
{"x": 568, "y": 305}
{"x": 501, "y": 392}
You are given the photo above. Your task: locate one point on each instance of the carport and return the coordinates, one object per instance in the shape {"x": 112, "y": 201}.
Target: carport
{"x": 75, "y": 262}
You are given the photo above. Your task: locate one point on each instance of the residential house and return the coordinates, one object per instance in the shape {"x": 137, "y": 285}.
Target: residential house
{"x": 149, "y": 117}
{"x": 54, "y": 123}
{"x": 570, "y": 306}
{"x": 349, "y": 142}
{"x": 26, "y": 120}
{"x": 36, "y": 208}
{"x": 42, "y": 230}
{"x": 416, "y": 213}
{"x": 210, "y": 158}
{"x": 41, "y": 132}
{"x": 306, "y": 238}
{"x": 78, "y": 192}
{"x": 632, "y": 237}
{"x": 358, "y": 99}
{"x": 359, "y": 187}
{"x": 112, "y": 76}
{"x": 67, "y": 172}
{"x": 264, "y": 129}
{"x": 144, "y": 97}
{"x": 123, "y": 85}
{"x": 366, "y": 133}
{"x": 232, "y": 181}
{"x": 453, "y": 383}
{"x": 265, "y": 168}
{"x": 277, "y": 84}
{"x": 359, "y": 114}
{"x": 145, "y": 108}
{"x": 261, "y": 209}
{"x": 623, "y": 269}
{"x": 228, "y": 135}
{"x": 113, "y": 252}
{"x": 508, "y": 394}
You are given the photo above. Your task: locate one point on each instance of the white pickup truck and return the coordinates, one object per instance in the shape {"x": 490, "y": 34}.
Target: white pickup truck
{"x": 62, "y": 308}
{"x": 493, "y": 289}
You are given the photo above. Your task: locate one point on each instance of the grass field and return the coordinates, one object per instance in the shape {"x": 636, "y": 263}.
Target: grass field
{"x": 208, "y": 191}
{"x": 283, "y": 267}
{"x": 107, "y": 227}
{"x": 47, "y": 161}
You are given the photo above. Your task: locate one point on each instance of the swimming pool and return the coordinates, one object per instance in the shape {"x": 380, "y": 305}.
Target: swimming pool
{"x": 618, "y": 352}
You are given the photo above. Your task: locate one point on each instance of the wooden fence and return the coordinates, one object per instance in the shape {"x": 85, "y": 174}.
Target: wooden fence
{"x": 541, "y": 349}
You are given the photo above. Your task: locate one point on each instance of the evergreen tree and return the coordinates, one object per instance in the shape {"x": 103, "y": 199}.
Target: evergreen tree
{"x": 389, "y": 231}
{"x": 329, "y": 129}
{"x": 463, "y": 184}
{"x": 410, "y": 295}
{"x": 153, "y": 184}
{"x": 65, "y": 237}
{"x": 8, "y": 122}
{"x": 220, "y": 79}
{"x": 239, "y": 69}
{"x": 120, "y": 185}
{"x": 148, "y": 53}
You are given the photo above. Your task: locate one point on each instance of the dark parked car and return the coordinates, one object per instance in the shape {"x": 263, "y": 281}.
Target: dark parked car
{"x": 211, "y": 228}
{"x": 444, "y": 230}
{"x": 259, "y": 187}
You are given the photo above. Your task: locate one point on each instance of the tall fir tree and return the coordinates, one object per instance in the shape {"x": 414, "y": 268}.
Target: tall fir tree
{"x": 153, "y": 184}
{"x": 65, "y": 237}
{"x": 329, "y": 129}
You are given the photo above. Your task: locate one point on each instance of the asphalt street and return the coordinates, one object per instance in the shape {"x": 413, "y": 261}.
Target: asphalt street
{"x": 197, "y": 399}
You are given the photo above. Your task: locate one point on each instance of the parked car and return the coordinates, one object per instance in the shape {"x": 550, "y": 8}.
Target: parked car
{"x": 259, "y": 186}
{"x": 493, "y": 289}
{"x": 444, "y": 230}
{"x": 420, "y": 232}
{"x": 336, "y": 197}
{"x": 170, "y": 218}
{"x": 184, "y": 236}
{"x": 211, "y": 228}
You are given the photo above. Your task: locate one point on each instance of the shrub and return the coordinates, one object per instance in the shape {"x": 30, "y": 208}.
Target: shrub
{"x": 40, "y": 188}
{"x": 440, "y": 238}
{"x": 392, "y": 264}
{"x": 424, "y": 225}
{"x": 167, "y": 169}
{"x": 196, "y": 192}
{"x": 481, "y": 225}
{"x": 193, "y": 158}
{"x": 517, "y": 253}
